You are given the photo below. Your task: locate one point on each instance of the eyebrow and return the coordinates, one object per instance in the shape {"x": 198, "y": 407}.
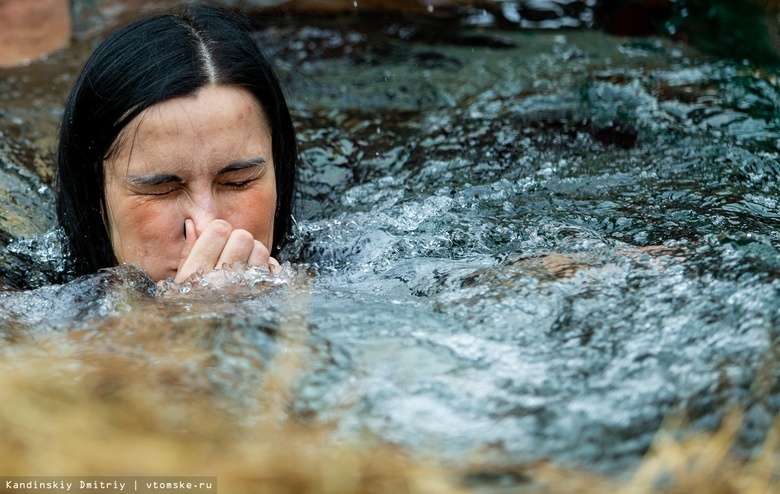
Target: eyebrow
{"x": 243, "y": 165}
{"x": 164, "y": 178}
{"x": 155, "y": 179}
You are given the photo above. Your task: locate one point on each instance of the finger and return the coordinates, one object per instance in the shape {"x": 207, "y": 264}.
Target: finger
{"x": 206, "y": 250}
{"x": 273, "y": 266}
{"x": 190, "y": 236}
{"x": 238, "y": 248}
{"x": 260, "y": 255}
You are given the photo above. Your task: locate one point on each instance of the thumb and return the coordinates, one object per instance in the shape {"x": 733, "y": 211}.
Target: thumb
{"x": 190, "y": 236}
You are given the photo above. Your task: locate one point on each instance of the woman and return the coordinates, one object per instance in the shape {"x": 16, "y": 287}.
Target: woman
{"x": 177, "y": 151}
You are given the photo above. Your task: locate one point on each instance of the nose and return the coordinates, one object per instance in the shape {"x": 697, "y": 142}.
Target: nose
{"x": 201, "y": 207}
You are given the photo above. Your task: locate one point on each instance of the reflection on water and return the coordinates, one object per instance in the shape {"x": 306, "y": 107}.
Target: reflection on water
{"x": 534, "y": 247}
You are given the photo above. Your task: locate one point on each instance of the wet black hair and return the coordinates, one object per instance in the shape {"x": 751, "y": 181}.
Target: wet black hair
{"x": 137, "y": 66}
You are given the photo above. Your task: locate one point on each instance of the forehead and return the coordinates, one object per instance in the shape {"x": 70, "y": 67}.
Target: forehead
{"x": 215, "y": 121}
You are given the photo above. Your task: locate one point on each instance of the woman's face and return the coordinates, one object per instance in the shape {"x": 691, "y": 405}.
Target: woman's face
{"x": 203, "y": 157}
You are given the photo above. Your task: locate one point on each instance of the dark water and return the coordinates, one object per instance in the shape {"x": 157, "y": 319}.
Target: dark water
{"x": 518, "y": 244}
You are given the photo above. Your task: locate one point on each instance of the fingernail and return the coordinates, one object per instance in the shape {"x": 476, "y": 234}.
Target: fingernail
{"x": 185, "y": 229}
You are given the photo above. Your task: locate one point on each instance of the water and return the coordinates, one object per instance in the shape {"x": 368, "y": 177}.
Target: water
{"x": 509, "y": 244}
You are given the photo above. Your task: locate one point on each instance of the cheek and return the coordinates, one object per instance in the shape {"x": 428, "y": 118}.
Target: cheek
{"x": 255, "y": 213}
{"x": 144, "y": 231}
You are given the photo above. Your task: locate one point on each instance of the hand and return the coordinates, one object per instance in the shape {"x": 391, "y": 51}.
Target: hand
{"x": 219, "y": 245}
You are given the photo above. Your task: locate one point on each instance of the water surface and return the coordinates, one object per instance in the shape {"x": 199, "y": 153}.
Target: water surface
{"x": 516, "y": 245}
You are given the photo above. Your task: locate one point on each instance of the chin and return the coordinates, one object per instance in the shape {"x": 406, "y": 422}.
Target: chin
{"x": 158, "y": 275}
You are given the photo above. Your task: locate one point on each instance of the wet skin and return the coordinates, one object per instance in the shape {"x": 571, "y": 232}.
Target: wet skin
{"x": 190, "y": 184}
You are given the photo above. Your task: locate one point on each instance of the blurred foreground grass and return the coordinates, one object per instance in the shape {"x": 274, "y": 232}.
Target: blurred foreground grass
{"x": 83, "y": 405}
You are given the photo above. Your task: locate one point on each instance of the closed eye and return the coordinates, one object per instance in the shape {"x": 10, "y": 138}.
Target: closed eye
{"x": 241, "y": 174}
{"x": 158, "y": 192}
{"x": 238, "y": 185}
{"x": 155, "y": 184}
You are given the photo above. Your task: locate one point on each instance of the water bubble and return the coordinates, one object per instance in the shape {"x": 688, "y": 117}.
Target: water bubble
{"x": 237, "y": 277}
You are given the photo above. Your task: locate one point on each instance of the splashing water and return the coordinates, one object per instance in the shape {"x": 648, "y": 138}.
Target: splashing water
{"x": 238, "y": 277}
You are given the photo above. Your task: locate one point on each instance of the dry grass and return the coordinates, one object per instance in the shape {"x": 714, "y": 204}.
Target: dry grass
{"x": 78, "y": 412}
{"x": 52, "y": 427}
{"x": 71, "y": 406}
{"x": 700, "y": 463}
